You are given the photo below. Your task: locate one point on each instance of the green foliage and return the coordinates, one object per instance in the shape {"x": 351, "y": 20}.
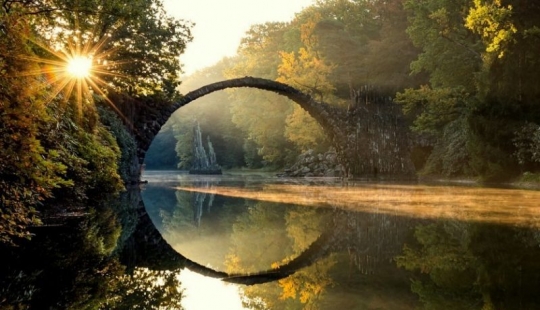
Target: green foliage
{"x": 124, "y": 140}
{"x": 147, "y": 289}
{"x": 481, "y": 68}
{"x": 56, "y": 152}
{"x": 266, "y": 130}
{"x": 162, "y": 154}
{"x": 450, "y": 54}
{"x": 139, "y": 42}
{"x": 259, "y": 55}
{"x": 338, "y": 32}
{"x": 91, "y": 155}
{"x": 527, "y": 143}
{"x": 28, "y": 171}
{"x": 260, "y": 48}
{"x": 442, "y": 253}
{"x": 450, "y": 155}
{"x": 433, "y": 109}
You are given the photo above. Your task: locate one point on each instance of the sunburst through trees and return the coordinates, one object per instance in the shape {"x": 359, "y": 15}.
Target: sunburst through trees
{"x": 75, "y": 72}
{"x": 58, "y": 60}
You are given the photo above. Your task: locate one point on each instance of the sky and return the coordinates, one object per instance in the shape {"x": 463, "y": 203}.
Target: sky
{"x": 220, "y": 25}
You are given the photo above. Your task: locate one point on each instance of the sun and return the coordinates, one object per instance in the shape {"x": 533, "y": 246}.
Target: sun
{"x": 76, "y": 71}
{"x": 79, "y": 67}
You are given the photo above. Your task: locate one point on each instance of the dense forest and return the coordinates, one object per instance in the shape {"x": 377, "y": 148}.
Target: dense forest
{"x": 464, "y": 73}
{"x": 67, "y": 146}
{"x": 65, "y": 141}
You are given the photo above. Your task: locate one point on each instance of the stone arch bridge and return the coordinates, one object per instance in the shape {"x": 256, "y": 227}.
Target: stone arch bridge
{"x": 370, "y": 137}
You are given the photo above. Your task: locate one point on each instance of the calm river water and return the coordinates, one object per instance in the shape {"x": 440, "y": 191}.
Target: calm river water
{"x": 353, "y": 245}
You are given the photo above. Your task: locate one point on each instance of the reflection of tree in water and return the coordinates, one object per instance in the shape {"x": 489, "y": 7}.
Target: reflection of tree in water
{"x": 463, "y": 267}
{"x": 474, "y": 266}
{"x": 199, "y": 224}
{"x": 326, "y": 247}
{"x": 147, "y": 289}
{"x": 262, "y": 238}
{"x": 202, "y": 203}
{"x": 75, "y": 264}
{"x": 189, "y": 207}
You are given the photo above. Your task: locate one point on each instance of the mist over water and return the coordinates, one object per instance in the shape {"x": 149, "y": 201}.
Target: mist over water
{"x": 357, "y": 241}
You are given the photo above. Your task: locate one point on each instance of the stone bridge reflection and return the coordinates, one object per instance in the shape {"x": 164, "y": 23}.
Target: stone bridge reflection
{"x": 357, "y": 233}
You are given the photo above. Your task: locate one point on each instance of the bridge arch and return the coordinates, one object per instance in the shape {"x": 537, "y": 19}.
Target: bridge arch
{"x": 371, "y": 138}
{"x": 147, "y": 129}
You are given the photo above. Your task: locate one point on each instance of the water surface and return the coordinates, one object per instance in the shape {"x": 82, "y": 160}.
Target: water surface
{"x": 361, "y": 245}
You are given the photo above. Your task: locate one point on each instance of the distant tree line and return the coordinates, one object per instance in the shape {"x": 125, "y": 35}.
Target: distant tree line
{"x": 464, "y": 72}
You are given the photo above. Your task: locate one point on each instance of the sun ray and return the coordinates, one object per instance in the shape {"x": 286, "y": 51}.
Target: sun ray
{"x": 80, "y": 66}
{"x": 76, "y": 70}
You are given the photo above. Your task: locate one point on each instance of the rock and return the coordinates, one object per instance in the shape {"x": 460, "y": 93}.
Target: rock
{"x": 329, "y": 173}
{"x": 310, "y": 164}
{"x": 305, "y": 170}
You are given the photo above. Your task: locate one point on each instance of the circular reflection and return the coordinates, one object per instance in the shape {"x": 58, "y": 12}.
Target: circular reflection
{"x": 232, "y": 234}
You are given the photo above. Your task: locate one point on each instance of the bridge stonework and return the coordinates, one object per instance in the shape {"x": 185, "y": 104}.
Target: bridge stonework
{"x": 370, "y": 138}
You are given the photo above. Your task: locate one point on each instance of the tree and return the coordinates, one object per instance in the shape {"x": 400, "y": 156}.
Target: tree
{"x": 450, "y": 53}
{"x": 136, "y": 45}
{"x": 28, "y": 171}
{"x": 390, "y": 52}
{"x": 258, "y": 55}
{"x": 476, "y": 49}
{"x": 147, "y": 289}
{"x": 57, "y": 152}
{"x": 214, "y": 115}
{"x": 162, "y": 154}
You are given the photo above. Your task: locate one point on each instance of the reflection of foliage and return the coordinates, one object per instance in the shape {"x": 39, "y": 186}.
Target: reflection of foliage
{"x": 58, "y": 269}
{"x": 444, "y": 248}
{"x": 103, "y": 231}
{"x": 443, "y": 254}
{"x": 125, "y": 142}
{"x": 196, "y": 224}
{"x": 303, "y": 227}
{"x": 124, "y": 207}
{"x": 259, "y": 236}
{"x": 181, "y": 218}
{"x": 473, "y": 266}
{"x": 309, "y": 284}
{"x": 147, "y": 289}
